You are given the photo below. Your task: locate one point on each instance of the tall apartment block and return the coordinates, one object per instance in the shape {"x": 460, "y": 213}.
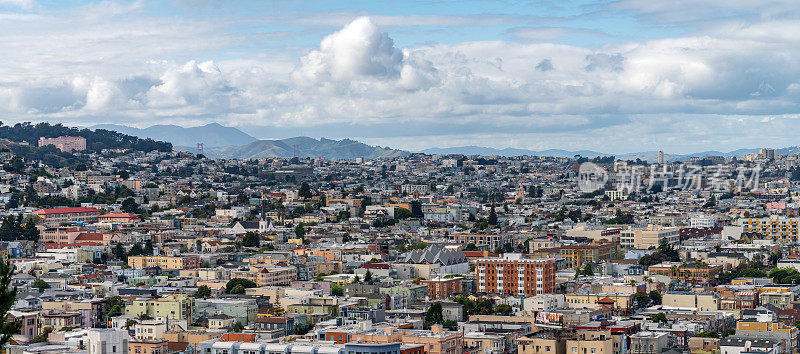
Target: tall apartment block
{"x": 516, "y": 275}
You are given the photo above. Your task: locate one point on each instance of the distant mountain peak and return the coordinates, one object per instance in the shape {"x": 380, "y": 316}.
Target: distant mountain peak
{"x": 308, "y": 147}
{"x": 210, "y": 135}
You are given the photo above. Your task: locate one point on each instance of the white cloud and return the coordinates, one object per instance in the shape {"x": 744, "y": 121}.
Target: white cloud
{"x": 145, "y": 70}
{"x": 23, "y": 4}
{"x": 358, "y": 50}
{"x": 188, "y": 85}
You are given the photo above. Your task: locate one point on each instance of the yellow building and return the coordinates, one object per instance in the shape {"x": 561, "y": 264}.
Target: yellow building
{"x": 176, "y": 306}
{"x": 164, "y": 262}
{"x": 598, "y": 342}
{"x": 676, "y": 270}
{"x": 485, "y": 343}
{"x": 541, "y": 343}
{"x": 577, "y": 256}
{"x": 770, "y": 330}
{"x": 779, "y": 229}
{"x": 700, "y": 301}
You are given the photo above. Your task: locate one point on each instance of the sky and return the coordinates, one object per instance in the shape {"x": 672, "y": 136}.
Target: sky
{"x": 612, "y": 76}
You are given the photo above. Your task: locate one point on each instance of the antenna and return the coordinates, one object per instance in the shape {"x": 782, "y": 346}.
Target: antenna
{"x": 200, "y": 148}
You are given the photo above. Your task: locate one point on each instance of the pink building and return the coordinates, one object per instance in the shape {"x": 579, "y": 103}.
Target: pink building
{"x": 65, "y": 143}
{"x": 29, "y": 322}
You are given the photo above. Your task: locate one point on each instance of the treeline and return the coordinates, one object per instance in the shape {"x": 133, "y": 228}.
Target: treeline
{"x": 96, "y": 140}
{"x": 15, "y": 228}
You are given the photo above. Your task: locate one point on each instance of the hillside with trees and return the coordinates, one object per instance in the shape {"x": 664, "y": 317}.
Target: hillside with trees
{"x": 14, "y": 139}
{"x": 96, "y": 140}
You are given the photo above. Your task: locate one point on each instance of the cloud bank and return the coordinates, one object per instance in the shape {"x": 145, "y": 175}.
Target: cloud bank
{"x": 694, "y": 90}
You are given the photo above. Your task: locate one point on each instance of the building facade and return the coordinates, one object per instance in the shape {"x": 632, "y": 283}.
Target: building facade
{"x": 516, "y": 275}
{"x": 65, "y": 143}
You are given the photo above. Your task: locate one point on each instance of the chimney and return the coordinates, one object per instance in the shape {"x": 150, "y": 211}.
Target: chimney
{"x": 437, "y": 329}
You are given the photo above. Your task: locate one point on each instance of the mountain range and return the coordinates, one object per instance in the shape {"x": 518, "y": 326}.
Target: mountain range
{"x": 228, "y": 142}
{"x": 644, "y": 155}
{"x": 211, "y": 135}
{"x": 306, "y": 147}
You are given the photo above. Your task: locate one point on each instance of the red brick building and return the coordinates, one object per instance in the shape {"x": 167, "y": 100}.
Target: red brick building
{"x": 516, "y": 275}
{"x": 441, "y": 288}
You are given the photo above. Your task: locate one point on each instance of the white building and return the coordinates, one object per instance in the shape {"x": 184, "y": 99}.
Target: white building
{"x": 543, "y": 302}
{"x": 698, "y": 220}
{"x": 107, "y": 341}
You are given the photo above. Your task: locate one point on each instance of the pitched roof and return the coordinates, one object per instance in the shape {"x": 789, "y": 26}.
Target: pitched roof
{"x": 606, "y": 300}
{"x": 436, "y": 254}
{"x": 89, "y": 236}
{"x": 119, "y": 215}
{"x": 65, "y": 211}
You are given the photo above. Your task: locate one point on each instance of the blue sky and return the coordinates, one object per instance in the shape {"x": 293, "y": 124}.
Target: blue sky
{"x": 614, "y": 76}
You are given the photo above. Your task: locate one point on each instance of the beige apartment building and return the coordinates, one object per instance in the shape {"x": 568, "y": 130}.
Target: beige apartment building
{"x": 649, "y": 237}
{"x": 164, "y": 262}
{"x": 591, "y": 342}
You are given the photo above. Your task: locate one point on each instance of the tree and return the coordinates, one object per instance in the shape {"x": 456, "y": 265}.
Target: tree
{"x": 337, "y": 290}
{"x": 655, "y": 297}
{"x": 130, "y": 206}
{"x": 30, "y": 232}
{"x": 238, "y": 327}
{"x": 659, "y": 318}
{"x": 40, "y": 284}
{"x": 641, "y": 298}
{"x": 785, "y": 276}
{"x": 492, "y": 219}
{"x": 665, "y": 252}
{"x": 368, "y": 277}
{"x": 115, "y": 306}
{"x": 503, "y": 309}
{"x": 237, "y": 289}
{"x": 129, "y": 323}
{"x": 250, "y": 239}
{"x": 712, "y": 202}
{"x": 434, "y": 315}
{"x": 471, "y": 247}
{"x": 245, "y": 283}
{"x": 203, "y": 291}
{"x": 8, "y": 295}
{"x": 300, "y": 231}
{"x": 752, "y": 273}
{"x": 450, "y": 324}
{"x": 708, "y": 334}
{"x": 402, "y": 214}
{"x": 416, "y": 209}
{"x": 587, "y": 270}
{"x": 148, "y": 248}
{"x": 305, "y": 191}
{"x": 119, "y": 252}
{"x": 42, "y": 337}
{"x": 136, "y": 250}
